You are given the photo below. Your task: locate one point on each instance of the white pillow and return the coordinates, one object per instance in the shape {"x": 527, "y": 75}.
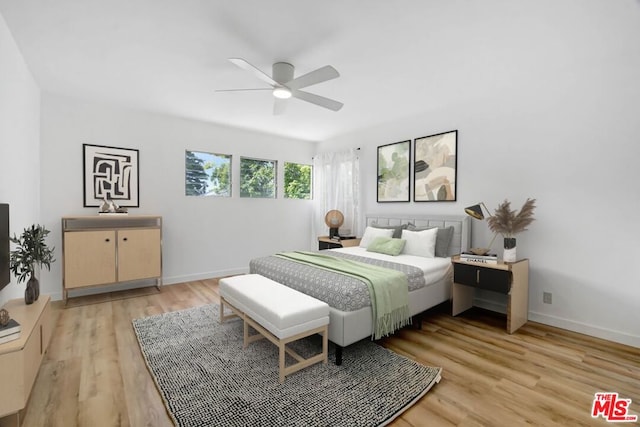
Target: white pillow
{"x": 420, "y": 243}
{"x": 371, "y": 233}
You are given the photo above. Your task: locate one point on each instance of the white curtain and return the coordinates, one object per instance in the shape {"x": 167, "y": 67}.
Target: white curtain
{"x": 336, "y": 179}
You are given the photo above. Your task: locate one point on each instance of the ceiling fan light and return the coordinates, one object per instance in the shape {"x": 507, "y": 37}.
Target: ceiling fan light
{"x": 282, "y": 93}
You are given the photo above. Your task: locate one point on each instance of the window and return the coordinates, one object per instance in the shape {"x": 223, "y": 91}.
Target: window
{"x": 297, "y": 181}
{"x": 207, "y": 174}
{"x": 257, "y": 178}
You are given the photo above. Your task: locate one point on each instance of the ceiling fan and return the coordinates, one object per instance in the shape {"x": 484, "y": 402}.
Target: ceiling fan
{"x": 285, "y": 86}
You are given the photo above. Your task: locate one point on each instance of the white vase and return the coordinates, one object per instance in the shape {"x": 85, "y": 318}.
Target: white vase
{"x": 509, "y": 254}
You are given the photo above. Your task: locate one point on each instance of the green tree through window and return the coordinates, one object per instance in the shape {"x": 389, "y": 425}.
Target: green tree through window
{"x": 257, "y": 178}
{"x": 297, "y": 181}
{"x": 195, "y": 176}
{"x": 207, "y": 174}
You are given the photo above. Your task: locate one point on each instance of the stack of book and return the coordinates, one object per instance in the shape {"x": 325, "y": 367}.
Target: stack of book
{"x": 10, "y": 331}
{"x": 483, "y": 259}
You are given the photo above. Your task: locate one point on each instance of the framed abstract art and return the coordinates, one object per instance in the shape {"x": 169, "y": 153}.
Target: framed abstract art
{"x": 394, "y": 161}
{"x": 435, "y": 167}
{"x": 110, "y": 173}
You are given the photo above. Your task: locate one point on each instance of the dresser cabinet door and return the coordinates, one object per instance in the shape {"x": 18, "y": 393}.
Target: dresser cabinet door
{"x": 139, "y": 254}
{"x": 89, "y": 258}
{"x": 483, "y": 277}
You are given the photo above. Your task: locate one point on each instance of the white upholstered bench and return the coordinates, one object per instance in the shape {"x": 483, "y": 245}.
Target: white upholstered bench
{"x": 278, "y": 313}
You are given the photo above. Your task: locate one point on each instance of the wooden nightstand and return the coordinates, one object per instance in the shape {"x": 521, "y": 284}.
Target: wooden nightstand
{"x": 510, "y": 278}
{"x": 324, "y": 242}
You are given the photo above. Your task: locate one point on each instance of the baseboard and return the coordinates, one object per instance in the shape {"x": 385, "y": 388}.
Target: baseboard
{"x": 587, "y": 329}
{"x": 568, "y": 324}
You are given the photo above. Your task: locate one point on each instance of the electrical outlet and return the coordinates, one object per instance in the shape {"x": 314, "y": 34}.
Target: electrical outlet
{"x": 546, "y": 297}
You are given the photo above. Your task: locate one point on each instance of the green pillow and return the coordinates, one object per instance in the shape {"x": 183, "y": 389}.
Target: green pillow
{"x": 387, "y": 246}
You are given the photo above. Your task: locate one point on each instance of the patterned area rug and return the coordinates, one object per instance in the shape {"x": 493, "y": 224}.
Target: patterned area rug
{"x": 207, "y": 379}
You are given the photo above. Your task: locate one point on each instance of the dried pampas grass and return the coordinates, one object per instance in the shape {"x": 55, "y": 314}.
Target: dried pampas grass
{"x": 508, "y": 222}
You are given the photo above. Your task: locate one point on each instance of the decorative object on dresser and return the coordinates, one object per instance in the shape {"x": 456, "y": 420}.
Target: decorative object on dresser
{"x": 205, "y": 378}
{"x": 475, "y": 211}
{"x": 20, "y": 358}
{"x": 104, "y": 250}
{"x": 31, "y": 252}
{"x": 511, "y": 279}
{"x": 111, "y": 173}
{"x": 109, "y": 207}
{"x": 394, "y": 162}
{"x": 509, "y": 223}
{"x": 435, "y": 169}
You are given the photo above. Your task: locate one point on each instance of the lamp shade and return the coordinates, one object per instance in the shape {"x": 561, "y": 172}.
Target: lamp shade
{"x": 334, "y": 220}
{"x": 475, "y": 211}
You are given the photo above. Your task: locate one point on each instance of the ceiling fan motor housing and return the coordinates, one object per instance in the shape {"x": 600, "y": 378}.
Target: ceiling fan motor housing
{"x": 282, "y": 72}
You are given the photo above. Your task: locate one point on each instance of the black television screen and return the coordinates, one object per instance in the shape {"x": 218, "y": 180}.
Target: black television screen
{"x": 5, "y": 273}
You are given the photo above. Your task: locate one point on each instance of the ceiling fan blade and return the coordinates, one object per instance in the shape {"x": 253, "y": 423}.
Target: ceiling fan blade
{"x": 314, "y": 77}
{"x": 243, "y": 90}
{"x": 256, "y": 72}
{"x": 279, "y": 105}
{"x": 317, "y": 100}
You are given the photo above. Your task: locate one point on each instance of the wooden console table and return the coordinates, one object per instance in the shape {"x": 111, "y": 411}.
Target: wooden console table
{"x": 20, "y": 359}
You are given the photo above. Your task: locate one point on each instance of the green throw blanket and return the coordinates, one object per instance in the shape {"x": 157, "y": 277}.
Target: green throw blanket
{"x": 388, "y": 288}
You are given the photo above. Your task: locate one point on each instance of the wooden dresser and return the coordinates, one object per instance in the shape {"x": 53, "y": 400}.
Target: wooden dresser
{"x": 103, "y": 250}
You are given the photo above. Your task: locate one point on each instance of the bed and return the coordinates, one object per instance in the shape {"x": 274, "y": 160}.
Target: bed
{"x": 351, "y": 312}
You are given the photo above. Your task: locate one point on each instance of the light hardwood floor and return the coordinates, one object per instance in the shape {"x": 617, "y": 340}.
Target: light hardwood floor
{"x": 93, "y": 374}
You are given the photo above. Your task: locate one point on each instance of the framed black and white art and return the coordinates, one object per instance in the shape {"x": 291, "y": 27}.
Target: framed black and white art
{"x": 111, "y": 173}
{"x": 394, "y": 161}
{"x": 435, "y": 168}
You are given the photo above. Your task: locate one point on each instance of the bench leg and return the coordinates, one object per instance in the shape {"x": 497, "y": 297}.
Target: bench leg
{"x": 281, "y": 351}
{"x": 234, "y": 312}
{"x": 339, "y": 355}
{"x": 325, "y": 345}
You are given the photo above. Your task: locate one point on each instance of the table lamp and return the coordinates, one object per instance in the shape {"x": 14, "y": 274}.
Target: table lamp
{"x": 334, "y": 220}
{"x": 475, "y": 211}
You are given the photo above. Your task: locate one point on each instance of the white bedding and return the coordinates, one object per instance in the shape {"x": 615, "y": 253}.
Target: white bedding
{"x": 434, "y": 268}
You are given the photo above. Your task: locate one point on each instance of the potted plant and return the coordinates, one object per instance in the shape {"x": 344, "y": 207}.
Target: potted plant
{"x": 31, "y": 251}
{"x": 509, "y": 223}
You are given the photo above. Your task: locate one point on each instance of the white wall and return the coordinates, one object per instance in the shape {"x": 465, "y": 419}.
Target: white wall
{"x": 19, "y": 144}
{"x": 564, "y": 130}
{"x": 202, "y": 237}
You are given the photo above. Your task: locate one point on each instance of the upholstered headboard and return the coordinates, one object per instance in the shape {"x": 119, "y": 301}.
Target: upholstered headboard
{"x": 461, "y": 226}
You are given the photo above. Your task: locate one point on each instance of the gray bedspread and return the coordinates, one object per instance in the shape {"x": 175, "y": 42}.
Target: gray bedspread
{"x": 340, "y": 291}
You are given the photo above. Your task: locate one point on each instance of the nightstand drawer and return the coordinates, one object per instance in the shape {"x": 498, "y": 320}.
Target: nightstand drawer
{"x": 483, "y": 277}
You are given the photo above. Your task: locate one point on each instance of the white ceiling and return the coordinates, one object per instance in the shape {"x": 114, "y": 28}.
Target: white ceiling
{"x": 396, "y": 59}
